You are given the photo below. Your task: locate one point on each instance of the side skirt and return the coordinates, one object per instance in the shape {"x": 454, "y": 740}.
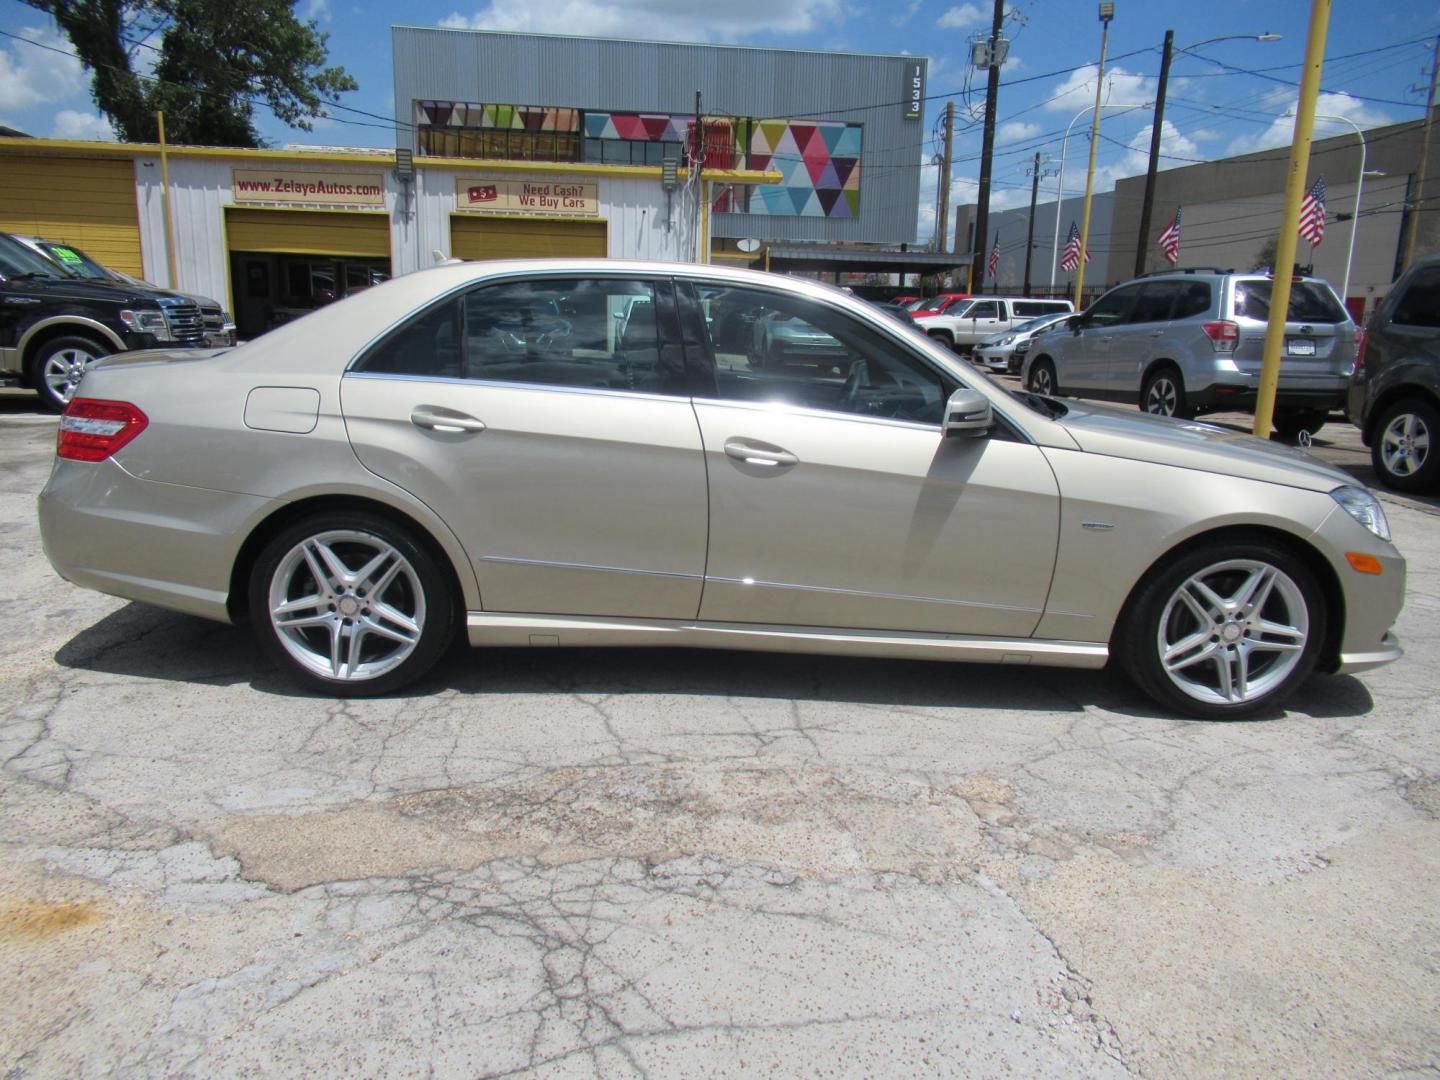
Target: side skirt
{"x": 500, "y": 629}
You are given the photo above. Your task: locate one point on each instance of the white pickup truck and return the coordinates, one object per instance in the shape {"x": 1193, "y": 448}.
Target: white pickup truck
{"x": 966, "y": 324}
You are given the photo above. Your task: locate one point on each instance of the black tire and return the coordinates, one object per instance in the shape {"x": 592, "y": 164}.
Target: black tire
{"x": 1289, "y": 424}
{"x": 1163, "y": 393}
{"x": 1403, "y": 449}
{"x": 418, "y": 591}
{"x": 1041, "y": 379}
{"x": 58, "y": 365}
{"x": 944, "y": 337}
{"x": 1156, "y": 613}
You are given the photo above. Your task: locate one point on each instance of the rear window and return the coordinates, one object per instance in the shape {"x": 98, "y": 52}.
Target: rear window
{"x": 1310, "y": 301}
{"x": 1420, "y": 306}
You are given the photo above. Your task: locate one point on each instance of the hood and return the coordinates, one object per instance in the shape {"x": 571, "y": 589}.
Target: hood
{"x": 85, "y": 289}
{"x": 1189, "y": 444}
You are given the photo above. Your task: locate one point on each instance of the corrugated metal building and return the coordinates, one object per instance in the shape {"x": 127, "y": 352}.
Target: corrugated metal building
{"x": 844, "y": 130}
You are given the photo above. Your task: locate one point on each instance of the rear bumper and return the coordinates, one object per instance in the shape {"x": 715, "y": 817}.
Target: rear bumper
{"x": 1243, "y": 393}
{"x": 165, "y": 544}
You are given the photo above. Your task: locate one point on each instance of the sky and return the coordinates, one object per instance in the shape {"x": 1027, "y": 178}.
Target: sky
{"x": 1225, "y": 97}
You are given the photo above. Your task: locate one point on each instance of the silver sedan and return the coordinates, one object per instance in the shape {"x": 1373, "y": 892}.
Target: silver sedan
{"x": 592, "y": 453}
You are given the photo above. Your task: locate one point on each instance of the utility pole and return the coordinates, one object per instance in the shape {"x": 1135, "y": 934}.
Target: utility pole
{"x": 1412, "y": 225}
{"x": 942, "y": 227}
{"x": 1107, "y": 12}
{"x": 987, "y": 151}
{"x": 1143, "y": 240}
{"x": 1290, "y": 220}
{"x": 1030, "y": 232}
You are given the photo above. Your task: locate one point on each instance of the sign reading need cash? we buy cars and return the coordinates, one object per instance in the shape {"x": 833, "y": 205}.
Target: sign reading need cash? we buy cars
{"x": 562, "y": 198}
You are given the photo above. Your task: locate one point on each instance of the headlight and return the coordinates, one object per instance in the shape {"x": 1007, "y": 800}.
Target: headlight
{"x": 1364, "y": 508}
{"x": 147, "y": 322}
{"x": 1006, "y": 340}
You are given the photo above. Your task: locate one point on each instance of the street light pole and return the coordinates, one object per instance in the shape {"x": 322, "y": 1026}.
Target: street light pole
{"x": 1107, "y": 12}
{"x": 1060, "y": 181}
{"x": 1359, "y": 186}
{"x": 1143, "y": 239}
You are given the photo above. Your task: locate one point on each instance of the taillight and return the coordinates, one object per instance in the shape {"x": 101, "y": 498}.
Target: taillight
{"x": 1224, "y": 335}
{"x": 1362, "y": 338}
{"x": 92, "y": 430}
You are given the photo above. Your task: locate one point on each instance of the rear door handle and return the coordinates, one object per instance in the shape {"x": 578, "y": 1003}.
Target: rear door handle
{"x": 436, "y": 418}
{"x": 751, "y": 454}
{"x": 1157, "y": 333}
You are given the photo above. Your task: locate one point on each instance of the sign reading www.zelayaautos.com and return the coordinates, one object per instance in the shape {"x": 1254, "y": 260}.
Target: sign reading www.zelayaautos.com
{"x": 564, "y": 197}
{"x": 309, "y": 188}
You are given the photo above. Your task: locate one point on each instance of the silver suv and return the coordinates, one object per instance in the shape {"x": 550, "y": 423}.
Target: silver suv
{"x": 1185, "y": 342}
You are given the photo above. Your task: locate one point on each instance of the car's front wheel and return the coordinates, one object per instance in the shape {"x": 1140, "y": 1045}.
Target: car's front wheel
{"x": 59, "y": 365}
{"x": 1042, "y": 378}
{"x": 350, "y": 604}
{"x": 1403, "y": 451}
{"x": 1226, "y": 631}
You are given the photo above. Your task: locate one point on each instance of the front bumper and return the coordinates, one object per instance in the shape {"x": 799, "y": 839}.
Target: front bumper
{"x": 164, "y": 544}
{"x": 1388, "y": 652}
{"x": 993, "y": 359}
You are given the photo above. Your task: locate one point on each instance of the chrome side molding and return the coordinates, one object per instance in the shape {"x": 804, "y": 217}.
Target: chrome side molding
{"x": 506, "y": 629}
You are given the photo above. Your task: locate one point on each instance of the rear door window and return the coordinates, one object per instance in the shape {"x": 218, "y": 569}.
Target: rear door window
{"x": 1194, "y": 299}
{"x": 1420, "y": 306}
{"x": 1154, "y": 302}
{"x": 1310, "y": 301}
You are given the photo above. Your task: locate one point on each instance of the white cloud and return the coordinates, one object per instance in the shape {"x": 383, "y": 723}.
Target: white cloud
{"x": 70, "y": 124}
{"x": 908, "y": 14}
{"x": 1015, "y": 131}
{"x": 316, "y": 11}
{"x": 963, "y": 17}
{"x": 1122, "y": 87}
{"x": 31, "y": 76}
{"x": 1282, "y": 129}
{"x": 679, "y": 20}
{"x": 963, "y": 190}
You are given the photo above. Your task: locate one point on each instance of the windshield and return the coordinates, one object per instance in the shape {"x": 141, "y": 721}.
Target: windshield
{"x": 932, "y": 303}
{"x": 1310, "y": 301}
{"x": 75, "y": 261}
{"x": 16, "y": 260}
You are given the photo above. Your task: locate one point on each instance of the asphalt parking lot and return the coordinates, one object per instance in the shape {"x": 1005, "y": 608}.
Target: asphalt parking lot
{"x": 582, "y": 862}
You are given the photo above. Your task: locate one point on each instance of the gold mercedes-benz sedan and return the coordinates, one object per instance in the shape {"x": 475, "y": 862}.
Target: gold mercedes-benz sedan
{"x": 586, "y": 452}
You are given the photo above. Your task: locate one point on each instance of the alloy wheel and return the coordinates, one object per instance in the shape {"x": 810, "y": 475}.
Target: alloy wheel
{"x": 1405, "y": 445}
{"x": 64, "y": 369}
{"x": 346, "y": 605}
{"x": 1162, "y": 396}
{"x": 1041, "y": 382}
{"x": 1233, "y": 632}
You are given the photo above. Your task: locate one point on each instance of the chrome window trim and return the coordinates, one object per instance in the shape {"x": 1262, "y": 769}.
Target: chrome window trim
{"x": 819, "y": 414}
{"x": 517, "y": 561}
{"x": 553, "y": 388}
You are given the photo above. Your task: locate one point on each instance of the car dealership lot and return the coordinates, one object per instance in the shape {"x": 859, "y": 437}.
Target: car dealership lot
{"x": 698, "y": 863}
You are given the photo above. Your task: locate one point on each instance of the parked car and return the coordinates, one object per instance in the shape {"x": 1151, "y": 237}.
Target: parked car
{"x": 55, "y": 325}
{"x": 1001, "y": 352}
{"x": 963, "y": 326}
{"x": 1182, "y": 343}
{"x": 219, "y": 326}
{"x": 1394, "y": 394}
{"x": 935, "y": 305}
{"x": 364, "y": 482}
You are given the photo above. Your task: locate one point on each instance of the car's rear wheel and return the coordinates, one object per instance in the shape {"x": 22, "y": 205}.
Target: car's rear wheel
{"x": 350, "y": 604}
{"x": 1042, "y": 378}
{"x": 1228, "y": 630}
{"x": 59, "y": 365}
{"x": 1403, "y": 450}
{"x": 1289, "y": 424}
{"x": 1163, "y": 393}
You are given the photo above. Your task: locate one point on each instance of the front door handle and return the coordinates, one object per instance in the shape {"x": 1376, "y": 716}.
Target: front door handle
{"x": 436, "y": 418}
{"x": 1157, "y": 333}
{"x": 759, "y": 454}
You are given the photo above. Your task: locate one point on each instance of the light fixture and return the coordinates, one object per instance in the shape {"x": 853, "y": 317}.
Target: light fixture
{"x": 1107, "y": 12}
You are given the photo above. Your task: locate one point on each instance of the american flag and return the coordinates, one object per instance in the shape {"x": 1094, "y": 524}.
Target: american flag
{"x": 995, "y": 257}
{"x": 1170, "y": 239}
{"x": 1070, "y": 257}
{"x": 1312, "y": 213}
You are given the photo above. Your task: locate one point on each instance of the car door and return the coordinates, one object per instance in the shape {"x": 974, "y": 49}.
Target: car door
{"x": 981, "y": 319}
{"x": 1134, "y": 342}
{"x": 1086, "y": 354}
{"x": 559, "y": 446}
{"x": 834, "y": 500}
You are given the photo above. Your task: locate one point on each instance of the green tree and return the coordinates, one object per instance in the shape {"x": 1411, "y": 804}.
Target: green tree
{"x": 1265, "y": 255}
{"x": 215, "y": 60}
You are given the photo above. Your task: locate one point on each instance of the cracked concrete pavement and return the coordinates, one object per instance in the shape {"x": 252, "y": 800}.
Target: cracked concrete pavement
{"x": 589, "y": 862}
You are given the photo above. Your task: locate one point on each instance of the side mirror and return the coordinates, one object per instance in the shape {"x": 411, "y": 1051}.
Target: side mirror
{"x": 968, "y": 415}
{"x": 1075, "y": 322}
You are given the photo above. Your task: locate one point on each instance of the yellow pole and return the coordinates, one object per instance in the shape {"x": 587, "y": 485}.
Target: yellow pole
{"x": 165, "y": 205}
{"x": 1290, "y": 221}
{"x": 704, "y": 222}
{"x": 767, "y": 258}
{"x": 1090, "y": 172}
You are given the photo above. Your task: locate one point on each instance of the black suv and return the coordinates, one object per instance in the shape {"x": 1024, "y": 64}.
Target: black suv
{"x": 1395, "y": 390}
{"x": 53, "y": 325}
